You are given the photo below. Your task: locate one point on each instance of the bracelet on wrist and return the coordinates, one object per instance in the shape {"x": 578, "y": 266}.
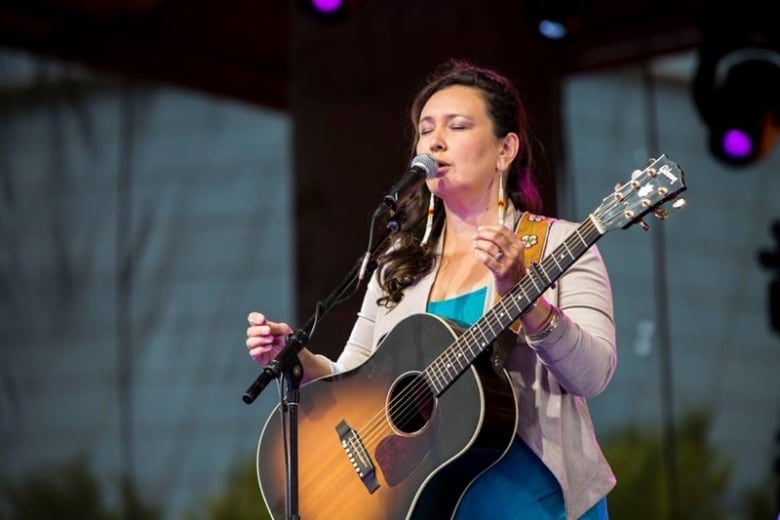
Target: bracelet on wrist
{"x": 550, "y": 324}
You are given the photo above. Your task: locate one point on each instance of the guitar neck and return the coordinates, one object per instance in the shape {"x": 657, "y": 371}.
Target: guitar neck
{"x": 456, "y": 358}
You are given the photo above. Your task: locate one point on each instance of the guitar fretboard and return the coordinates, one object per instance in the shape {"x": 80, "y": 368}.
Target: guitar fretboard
{"x": 456, "y": 358}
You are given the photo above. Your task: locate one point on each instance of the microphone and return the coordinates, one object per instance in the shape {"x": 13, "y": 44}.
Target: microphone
{"x": 423, "y": 165}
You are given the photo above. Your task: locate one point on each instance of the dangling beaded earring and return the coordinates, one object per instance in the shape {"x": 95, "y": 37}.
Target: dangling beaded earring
{"x": 429, "y": 221}
{"x": 501, "y": 201}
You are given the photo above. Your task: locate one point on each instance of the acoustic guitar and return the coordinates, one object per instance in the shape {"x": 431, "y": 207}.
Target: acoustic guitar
{"x": 404, "y": 434}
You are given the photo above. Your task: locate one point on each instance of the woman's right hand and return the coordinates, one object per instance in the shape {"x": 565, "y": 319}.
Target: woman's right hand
{"x": 264, "y": 339}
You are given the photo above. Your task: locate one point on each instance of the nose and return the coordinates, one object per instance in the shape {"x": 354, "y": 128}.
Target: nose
{"x": 436, "y": 142}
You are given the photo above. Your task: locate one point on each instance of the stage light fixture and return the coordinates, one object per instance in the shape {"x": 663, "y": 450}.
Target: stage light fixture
{"x": 330, "y": 10}
{"x": 556, "y": 19}
{"x": 744, "y": 124}
{"x": 736, "y": 92}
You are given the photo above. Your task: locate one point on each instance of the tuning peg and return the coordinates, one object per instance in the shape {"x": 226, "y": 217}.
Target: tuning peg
{"x": 643, "y": 224}
{"x": 618, "y": 195}
{"x": 650, "y": 161}
{"x": 679, "y": 203}
{"x": 635, "y": 174}
{"x": 661, "y": 213}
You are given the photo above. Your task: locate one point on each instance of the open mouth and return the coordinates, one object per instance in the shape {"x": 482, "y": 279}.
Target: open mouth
{"x": 443, "y": 166}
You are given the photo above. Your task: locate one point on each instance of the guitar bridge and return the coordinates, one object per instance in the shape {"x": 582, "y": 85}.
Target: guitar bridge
{"x": 358, "y": 456}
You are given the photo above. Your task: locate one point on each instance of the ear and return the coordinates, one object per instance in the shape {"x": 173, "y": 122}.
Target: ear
{"x": 510, "y": 145}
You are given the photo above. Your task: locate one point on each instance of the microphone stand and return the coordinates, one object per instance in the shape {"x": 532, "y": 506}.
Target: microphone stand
{"x": 287, "y": 364}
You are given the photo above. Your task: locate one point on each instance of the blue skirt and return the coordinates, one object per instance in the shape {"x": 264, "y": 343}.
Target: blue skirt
{"x": 520, "y": 486}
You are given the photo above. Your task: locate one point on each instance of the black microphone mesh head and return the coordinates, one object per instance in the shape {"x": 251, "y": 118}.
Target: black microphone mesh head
{"x": 427, "y": 162}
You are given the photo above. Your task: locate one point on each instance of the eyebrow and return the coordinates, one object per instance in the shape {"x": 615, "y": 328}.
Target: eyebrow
{"x": 447, "y": 117}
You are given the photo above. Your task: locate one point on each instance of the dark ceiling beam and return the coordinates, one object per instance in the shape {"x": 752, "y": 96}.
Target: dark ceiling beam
{"x": 241, "y": 49}
{"x": 233, "y": 50}
{"x": 626, "y": 46}
{"x": 613, "y": 33}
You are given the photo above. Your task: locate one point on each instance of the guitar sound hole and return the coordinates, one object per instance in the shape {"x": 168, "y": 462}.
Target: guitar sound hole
{"x": 411, "y": 403}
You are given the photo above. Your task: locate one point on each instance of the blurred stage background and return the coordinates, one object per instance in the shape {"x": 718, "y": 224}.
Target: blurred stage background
{"x": 166, "y": 167}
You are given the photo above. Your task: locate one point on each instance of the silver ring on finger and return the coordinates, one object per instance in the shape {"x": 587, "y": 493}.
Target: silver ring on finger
{"x": 498, "y": 256}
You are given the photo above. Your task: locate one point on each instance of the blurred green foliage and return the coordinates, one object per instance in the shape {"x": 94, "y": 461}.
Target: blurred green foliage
{"x": 240, "y": 500}
{"x": 759, "y": 503}
{"x": 639, "y": 462}
{"x": 69, "y": 492}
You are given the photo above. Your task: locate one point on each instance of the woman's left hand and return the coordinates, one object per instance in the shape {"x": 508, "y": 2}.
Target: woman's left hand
{"x": 502, "y": 252}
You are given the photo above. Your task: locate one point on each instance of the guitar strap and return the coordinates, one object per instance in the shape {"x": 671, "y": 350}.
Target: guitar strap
{"x": 532, "y": 230}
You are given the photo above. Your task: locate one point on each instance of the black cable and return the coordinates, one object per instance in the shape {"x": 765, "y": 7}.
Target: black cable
{"x": 666, "y": 372}
{"x": 124, "y": 303}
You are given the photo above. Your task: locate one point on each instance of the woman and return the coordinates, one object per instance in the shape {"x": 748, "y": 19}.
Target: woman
{"x": 457, "y": 254}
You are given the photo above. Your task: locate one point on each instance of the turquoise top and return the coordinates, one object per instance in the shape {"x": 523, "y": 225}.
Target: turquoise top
{"x": 464, "y": 310}
{"x": 519, "y": 485}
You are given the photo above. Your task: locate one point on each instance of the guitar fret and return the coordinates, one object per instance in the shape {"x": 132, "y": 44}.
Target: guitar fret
{"x": 526, "y": 300}
{"x": 427, "y": 377}
{"x": 479, "y": 328}
{"x": 432, "y": 383}
{"x": 580, "y": 236}
{"x": 541, "y": 266}
{"x": 465, "y": 350}
{"x": 452, "y": 359}
{"x": 574, "y": 245}
{"x": 578, "y": 249}
{"x": 525, "y": 294}
{"x": 482, "y": 344}
{"x": 501, "y": 315}
{"x": 560, "y": 269}
{"x": 504, "y": 316}
{"x": 431, "y": 376}
{"x": 567, "y": 249}
{"x": 498, "y": 318}
{"x": 530, "y": 277}
{"x": 551, "y": 267}
{"x": 535, "y": 276}
{"x": 592, "y": 231}
{"x": 470, "y": 344}
{"x": 454, "y": 363}
{"x": 440, "y": 380}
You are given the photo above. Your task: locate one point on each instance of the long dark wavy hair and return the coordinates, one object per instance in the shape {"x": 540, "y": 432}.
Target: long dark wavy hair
{"x": 405, "y": 261}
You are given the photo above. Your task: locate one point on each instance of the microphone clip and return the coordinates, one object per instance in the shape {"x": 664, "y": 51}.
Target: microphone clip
{"x": 395, "y": 222}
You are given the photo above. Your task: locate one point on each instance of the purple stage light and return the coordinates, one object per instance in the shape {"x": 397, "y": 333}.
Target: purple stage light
{"x": 737, "y": 144}
{"x": 327, "y": 6}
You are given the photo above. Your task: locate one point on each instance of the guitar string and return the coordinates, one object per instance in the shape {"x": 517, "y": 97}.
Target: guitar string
{"x": 442, "y": 365}
{"x": 423, "y": 388}
{"x": 587, "y": 227}
{"x": 494, "y": 320}
{"x": 342, "y": 490}
{"x": 404, "y": 406}
{"x": 373, "y": 430}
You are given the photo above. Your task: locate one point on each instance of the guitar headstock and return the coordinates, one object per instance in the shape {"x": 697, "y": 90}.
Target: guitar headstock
{"x": 648, "y": 190}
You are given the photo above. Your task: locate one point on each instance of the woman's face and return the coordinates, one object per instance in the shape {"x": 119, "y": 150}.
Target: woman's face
{"x": 456, "y": 129}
